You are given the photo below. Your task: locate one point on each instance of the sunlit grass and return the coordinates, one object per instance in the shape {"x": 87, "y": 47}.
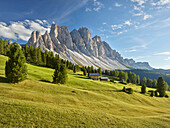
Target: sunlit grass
{"x": 81, "y": 102}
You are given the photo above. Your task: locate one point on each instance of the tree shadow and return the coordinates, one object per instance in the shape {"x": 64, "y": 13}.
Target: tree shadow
{"x": 3, "y": 79}
{"x": 82, "y": 77}
{"x": 46, "y": 81}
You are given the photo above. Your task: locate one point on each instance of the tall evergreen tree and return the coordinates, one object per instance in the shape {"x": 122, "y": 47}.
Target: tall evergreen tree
{"x": 63, "y": 76}
{"x": 15, "y": 69}
{"x": 161, "y": 87}
{"x": 143, "y": 88}
{"x": 57, "y": 74}
{"x": 154, "y": 83}
{"x": 100, "y": 71}
{"x": 75, "y": 69}
{"x": 138, "y": 80}
{"x": 125, "y": 76}
{"x": 144, "y": 81}
{"x": 1, "y": 46}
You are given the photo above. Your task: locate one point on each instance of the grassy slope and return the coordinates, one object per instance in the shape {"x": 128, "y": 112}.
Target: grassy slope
{"x": 37, "y": 102}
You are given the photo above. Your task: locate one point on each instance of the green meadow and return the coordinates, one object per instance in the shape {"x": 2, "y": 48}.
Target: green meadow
{"x": 81, "y": 102}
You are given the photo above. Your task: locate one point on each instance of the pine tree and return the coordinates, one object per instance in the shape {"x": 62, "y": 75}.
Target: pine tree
{"x": 15, "y": 69}
{"x": 1, "y": 46}
{"x": 75, "y": 69}
{"x": 63, "y": 76}
{"x": 161, "y": 87}
{"x": 144, "y": 81}
{"x": 154, "y": 83}
{"x": 57, "y": 74}
{"x": 143, "y": 88}
{"x": 138, "y": 80}
{"x": 100, "y": 71}
{"x": 126, "y": 77}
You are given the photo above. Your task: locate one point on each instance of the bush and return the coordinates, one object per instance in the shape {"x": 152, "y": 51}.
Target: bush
{"x": 152, "y": 94}
{"x": 166, "y": 96}
{"x": 129, "y": 90}
{"x": 124, "y": 89}
{"x": 112, "y": 81}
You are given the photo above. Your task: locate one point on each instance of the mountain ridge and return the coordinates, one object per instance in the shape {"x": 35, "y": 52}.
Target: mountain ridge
{"x": 80, "y": 48}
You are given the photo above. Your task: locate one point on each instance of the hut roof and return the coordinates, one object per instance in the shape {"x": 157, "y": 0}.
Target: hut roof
{"x": 104, "y": 78}
{"x": 94, "y": 74}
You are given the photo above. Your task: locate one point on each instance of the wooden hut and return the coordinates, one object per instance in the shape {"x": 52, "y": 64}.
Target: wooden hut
{"x": 94, "y": 76}
{"x": 104, "y": 78}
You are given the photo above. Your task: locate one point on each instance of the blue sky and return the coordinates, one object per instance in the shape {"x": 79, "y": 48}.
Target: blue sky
{"x": 138, "y": 29}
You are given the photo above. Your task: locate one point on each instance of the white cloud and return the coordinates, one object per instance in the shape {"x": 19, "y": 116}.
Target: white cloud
{"x": 131, "y": 50}
{"x": 161, "y": 2}
{"x": 119, "y": 33}
{"x": 117, "y": 5}
{"x": 146, "y": 16}
{"x": 162, "y": 67}
{"x": 139, "y": 2}
{"x": 114, "y": 27}
{"x": 162, "y": 53}
{"x": 167, "y": 58}
{"x": 22, "y": 30}
{"x": 88, "y": 10}
{"x": 104, "y": 23}
{"x": 128, "y": 23}
{"x": 97, "y": 5}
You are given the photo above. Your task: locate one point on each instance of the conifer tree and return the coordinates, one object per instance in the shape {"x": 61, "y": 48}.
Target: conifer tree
{"x": 63, "y": 75}
{"x": 57, "y": 73}
{"x": 100, "y": 71}
{"x": 75, "y": 69}
{"x": 15, "y": 69}
{"x": 161, "y": 87}
{"x": 138, "y": 80}
{"x": 143, "y": 88}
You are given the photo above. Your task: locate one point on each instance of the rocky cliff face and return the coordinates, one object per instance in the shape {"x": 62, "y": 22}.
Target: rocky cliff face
{"x": 137, "y": 65}
{"x": 80, "y": 48}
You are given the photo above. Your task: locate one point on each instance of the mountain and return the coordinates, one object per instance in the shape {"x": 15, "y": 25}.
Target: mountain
{"x": 80, "y": 48}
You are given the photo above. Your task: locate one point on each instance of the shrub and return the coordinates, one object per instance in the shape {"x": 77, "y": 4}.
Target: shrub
{"x": 166, "y": 96}
{"x": 112, "y": 81}
{"x": 152, "y": 94}
{"x": 129, "y": 90}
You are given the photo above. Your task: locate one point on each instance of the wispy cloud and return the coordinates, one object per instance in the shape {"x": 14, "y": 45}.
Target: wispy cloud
{"x": 167, "y": 58}
{"x": 139, "y": 2}
{"x": 146, "y": 16}
{"x": 128, "y": 23}
{"x": 162, "y": 67}
{"x": 22, "y": 29}
{"x": 162, "y": 53}
{"x": 97, "y": 5}
{"x": 117, "y": 5}
{"x": 88, "y": 10}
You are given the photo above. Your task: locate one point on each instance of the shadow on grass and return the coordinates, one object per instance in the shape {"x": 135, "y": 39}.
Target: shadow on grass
{"x": 3, "y": 79}
{"x": 45, "y": 81}
{"x": 82, "y": 77}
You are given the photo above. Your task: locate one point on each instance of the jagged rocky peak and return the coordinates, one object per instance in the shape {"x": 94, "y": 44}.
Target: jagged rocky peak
{"x": 47, "y": 41}
{"x": 137, "y": 65}
{"x": 85, "y": 34}
{"x": 80, "y": 48}
{"x": 97, "y": 39}
{"x": 64, "y": 37}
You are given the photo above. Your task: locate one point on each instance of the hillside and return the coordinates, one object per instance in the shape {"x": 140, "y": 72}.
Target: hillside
{"x": 81, "y": 102}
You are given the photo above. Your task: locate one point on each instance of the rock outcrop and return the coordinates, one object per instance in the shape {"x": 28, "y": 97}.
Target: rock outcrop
{"x": 80, "y": 48}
